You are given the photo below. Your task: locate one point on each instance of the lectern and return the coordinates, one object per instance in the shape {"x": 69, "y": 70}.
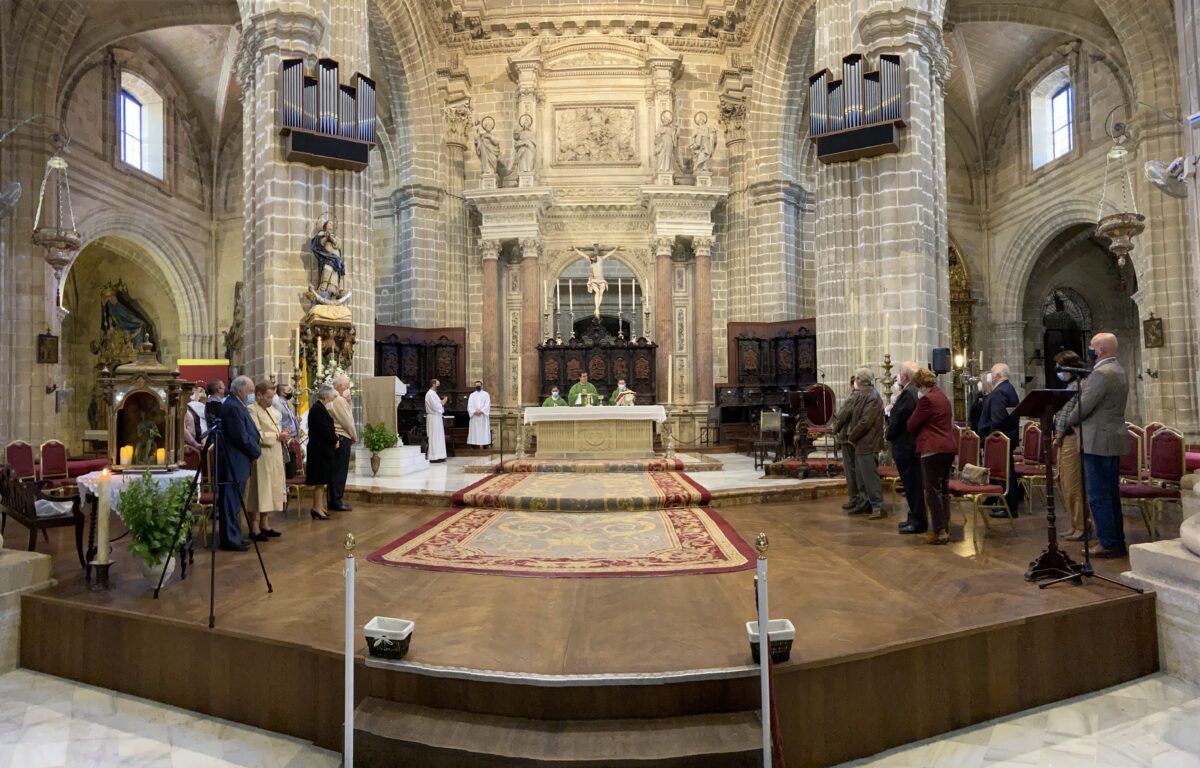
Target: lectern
{"x": 1042, "y": 404}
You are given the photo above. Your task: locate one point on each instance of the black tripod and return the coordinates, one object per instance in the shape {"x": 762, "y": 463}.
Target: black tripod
{"x": 210, "y": 440}
{"x": 1077, "y": 571}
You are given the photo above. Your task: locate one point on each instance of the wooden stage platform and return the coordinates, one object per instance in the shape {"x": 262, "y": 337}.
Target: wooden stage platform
{"x": 896, "y": 641}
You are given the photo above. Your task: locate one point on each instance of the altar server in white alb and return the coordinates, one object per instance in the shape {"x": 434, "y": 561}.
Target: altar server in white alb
{"x": 479, "y": 405}
{"x": 434, "y": 408}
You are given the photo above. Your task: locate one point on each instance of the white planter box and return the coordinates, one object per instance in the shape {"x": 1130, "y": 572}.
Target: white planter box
{"x": 394, "y": 462}
{"x": 388, "y": 638}
{"x": 780, "y": 634}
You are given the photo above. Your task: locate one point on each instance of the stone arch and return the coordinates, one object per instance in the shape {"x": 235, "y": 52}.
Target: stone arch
{"x": 1012, "y": 277}
{"x": 170, "y": 258}
{"x": 781, "y": 69}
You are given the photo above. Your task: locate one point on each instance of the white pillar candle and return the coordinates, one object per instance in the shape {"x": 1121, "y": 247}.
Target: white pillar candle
{"x": 862, "y": 347}
{"x": 981, "y": 359}
{"x": 620, "y": 298}
{"x": 103, "y": 506}
{"x": 518, "y": 378}
{"x": 558, "y": 295}
{"x": 887, "y": 333}
{"x": 571, "y": 294}
{"x": 296, "y": 364}
{"x": 670, "y": 378}
{"x": 914, "y": 344}
{"x": 319, "y": 353}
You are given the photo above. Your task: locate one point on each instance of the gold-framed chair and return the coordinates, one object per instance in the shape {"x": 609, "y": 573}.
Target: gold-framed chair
{"x": 52, "y": 457}
{"x": 1166, "y": 467}
{"x": 991, "y": 494}
{"x": 1031, "y": 470}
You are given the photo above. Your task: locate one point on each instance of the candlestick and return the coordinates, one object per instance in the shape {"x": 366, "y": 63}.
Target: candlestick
{"x": 160, "y": 456}
{"x": 126, "y": 455}
{"x": 103, "y": 505}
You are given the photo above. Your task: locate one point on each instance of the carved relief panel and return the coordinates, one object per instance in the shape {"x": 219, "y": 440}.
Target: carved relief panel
{"x": 589, "y": 134}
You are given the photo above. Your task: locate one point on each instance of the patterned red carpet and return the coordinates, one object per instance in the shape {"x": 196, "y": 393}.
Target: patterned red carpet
{"x": 569, "y": 525}
{"x": 554, "y": 465}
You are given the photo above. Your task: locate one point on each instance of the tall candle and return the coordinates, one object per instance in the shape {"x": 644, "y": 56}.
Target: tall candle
{"x": 518, "y": 379}
{"x": 160, "y": 456}
{"x": 571, "y": 294}
{"x": 320, "y": 373}
{"x": 887, "y": 333}
{"x": 296, "y": 363}
{"x": 270, "y": 366}
{"x": 914, "y": 344}
{"x": 103, "y": 505}
{"x": 620, "y": 298}
{"x": 126, "y": 455}
{"x": 981, "y": 359}
{"x": 558, "y": 295}
{"x": 862, "y": 347}
{"x": 670, "y": 378}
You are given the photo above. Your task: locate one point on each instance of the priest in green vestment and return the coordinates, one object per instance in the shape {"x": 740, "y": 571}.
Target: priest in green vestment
{"x": 583, "y": 392}
{"x": 555, "y": 400}
{"x": 622, "y": 395}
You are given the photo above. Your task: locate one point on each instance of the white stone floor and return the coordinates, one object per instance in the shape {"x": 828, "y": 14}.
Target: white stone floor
{"x": 738, "y": 472}
{"x": 1152, "y": 722}
{"x": 46, "y": 722}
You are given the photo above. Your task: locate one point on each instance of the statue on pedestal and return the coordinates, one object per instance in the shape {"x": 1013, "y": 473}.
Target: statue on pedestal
{"x": 233, "y": 337}
{"x": 524, "y": 146}
{"x": 704, "y": 143}
{"x": 487, "y": 149}
{"x": 664, "y": 145}
{"x": 596, "y": 284}
{"x": 329, "y": 297}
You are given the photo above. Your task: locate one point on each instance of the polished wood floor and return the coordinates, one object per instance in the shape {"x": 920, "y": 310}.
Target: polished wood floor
{"x": 851, "y": 586}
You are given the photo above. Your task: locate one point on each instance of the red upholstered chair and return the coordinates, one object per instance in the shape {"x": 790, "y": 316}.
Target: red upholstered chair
{"x": 1140, "y": 432}
{"x": 54, "y": 461}
{"x": 205, "y": 499}
{"x": 297, "y": 485}
{"x": 1031, "y": 469}
{"x": 889, "y": 476}
{"x": 19, "y": 456}
{"x": 968, "y": 449}
{"x": 1167, "y": 466}
{"x": 1150, "y": 429}
{"x": 991, "y": 494}
{"x": 1132, "y": 461}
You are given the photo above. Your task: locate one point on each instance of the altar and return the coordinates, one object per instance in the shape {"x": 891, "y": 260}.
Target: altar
{"x": 596, "y": 432}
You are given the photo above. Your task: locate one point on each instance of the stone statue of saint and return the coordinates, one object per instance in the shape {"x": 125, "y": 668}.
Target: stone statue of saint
{"x": 664, "y": 144}
{"x": 234, "y": 336}
{"x": 596, "y": 283}
{"x": 524, "y": 146}
{"x": 331, "y": 267}
{"x": 486, "y": 146}
{"x": 147, "y": 441}
{"x": 704, "y": 143}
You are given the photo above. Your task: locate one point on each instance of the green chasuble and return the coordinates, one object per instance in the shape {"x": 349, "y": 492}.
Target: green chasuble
{"x": 617, "y": 394}
{"x": 580, "y": 388}
{"x": 551, "y": 402}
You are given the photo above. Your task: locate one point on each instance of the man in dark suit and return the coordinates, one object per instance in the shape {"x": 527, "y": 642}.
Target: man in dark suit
{"x": 904, "y": 451}
{"x": 995, "y": 417}
{"x": 237, "y": 449}
{"x": 212, "y": 405}
{"x": 1102, "y": 398}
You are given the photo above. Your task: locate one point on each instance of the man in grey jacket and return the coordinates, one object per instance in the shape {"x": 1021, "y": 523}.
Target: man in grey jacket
{"x": 1102, "y": 414}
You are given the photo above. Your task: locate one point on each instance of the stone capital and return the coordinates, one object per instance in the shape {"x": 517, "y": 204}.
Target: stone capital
{"x": 531, "y": 247}
{"x": 489, "y": 249}
{"x": 702, "y": 246}
{"x": 662, "y": 246}
{"x": 458, "y": 122}
{"x": 733, "y": 120}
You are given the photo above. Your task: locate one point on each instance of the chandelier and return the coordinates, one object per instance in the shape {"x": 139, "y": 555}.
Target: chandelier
{"x": 54, "y": 223}
{"x": 1122, "y": 222}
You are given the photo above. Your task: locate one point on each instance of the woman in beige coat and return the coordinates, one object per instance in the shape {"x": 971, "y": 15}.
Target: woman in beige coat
{"x": 265, "y": 491}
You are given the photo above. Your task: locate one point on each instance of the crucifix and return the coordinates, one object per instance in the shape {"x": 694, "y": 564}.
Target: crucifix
{"x": 596, "y": 283}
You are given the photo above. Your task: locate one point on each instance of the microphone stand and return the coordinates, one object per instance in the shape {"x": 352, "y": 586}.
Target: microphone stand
{"x": 1084, "y": 569}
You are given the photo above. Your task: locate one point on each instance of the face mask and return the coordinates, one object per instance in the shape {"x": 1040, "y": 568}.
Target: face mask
{"x": 478, "y": 387}
{"x": 288, "y": 396}
{"x": 1064, "y": 376}
{"x": 554, "y": 394}
{"x": 622, "y": 386}
{"x": 1091, "y": 355}
{"x": 988, "y": 378}
{"x": 920, "y": 394}
{"x": 250, "y": 399}
{"x": 979, "y": 386}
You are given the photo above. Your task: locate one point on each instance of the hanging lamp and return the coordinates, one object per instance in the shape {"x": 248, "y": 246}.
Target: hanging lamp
{"x": 1119, "y": 220}
{"x": 54, "y": 223}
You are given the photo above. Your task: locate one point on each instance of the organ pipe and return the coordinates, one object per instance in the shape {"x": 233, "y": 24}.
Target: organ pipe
{"x": 859, "y": 99}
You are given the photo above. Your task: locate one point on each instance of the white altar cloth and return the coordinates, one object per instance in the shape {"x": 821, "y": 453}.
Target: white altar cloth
{"x": 655, "y": 413}
{"x": 90, "y": 483}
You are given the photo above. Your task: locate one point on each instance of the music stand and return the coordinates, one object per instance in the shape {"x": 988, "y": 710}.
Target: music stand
{"x": 1042, "y": 404}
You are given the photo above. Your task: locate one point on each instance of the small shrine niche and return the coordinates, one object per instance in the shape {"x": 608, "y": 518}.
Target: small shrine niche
{"x": 146, "y": 402}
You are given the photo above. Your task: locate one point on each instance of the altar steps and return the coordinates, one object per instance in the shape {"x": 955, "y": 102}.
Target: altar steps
{"x": 388, "y": 733}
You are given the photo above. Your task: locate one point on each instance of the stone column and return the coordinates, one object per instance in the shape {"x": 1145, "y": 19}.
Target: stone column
{"x": 531, "y": 321}
{"x": 704, "y": 320}
{"x": 662, "y": 247}
{"x": 490, "y": 251}
{"x": 1008, "y": 347}
{"x": 881, "y": 238}
{"x": 740, "y": 291}
{"x": 1187, "y": 22}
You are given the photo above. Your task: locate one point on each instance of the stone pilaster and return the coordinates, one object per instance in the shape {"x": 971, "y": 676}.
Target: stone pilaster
{"x": 702, "y": 246}
{"x": 741, "y": 283}
{"x": 531, "y": 307}
{"x": 489, "y": 250}
{"x": 881, "y": 240}
{"x": 662, "y": 247}
{"x": 1187, "y": 22}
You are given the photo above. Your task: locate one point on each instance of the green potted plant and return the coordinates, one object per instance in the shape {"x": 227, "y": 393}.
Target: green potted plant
{"x": 378, "y": 438}
{"x": 151, "y": 513}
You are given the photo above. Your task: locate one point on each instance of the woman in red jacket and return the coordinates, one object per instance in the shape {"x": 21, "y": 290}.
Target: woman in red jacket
{"x": 932, "y": 423}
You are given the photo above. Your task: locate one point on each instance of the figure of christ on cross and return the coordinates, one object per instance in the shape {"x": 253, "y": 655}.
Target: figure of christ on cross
{"x": 596, "y": 283}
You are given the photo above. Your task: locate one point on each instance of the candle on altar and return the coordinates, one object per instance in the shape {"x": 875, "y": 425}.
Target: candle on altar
{"x": 862, "y": 347}
{"x": 270, "y": 353}
{"x": 981, "y": 359}
{"x": 160, "y": 456}
{"x": 518, "y": 379}
{"x": 126, "y": 456}
{"x": 914, "y": 344}
{"x": 103, "y": 506}
{"x": 296, "y": 364}
{"x": 319, "y": 371}
{"x": 620, "y": 298}
{"x": 670, "y": 378}
{"x": 887, "y": 333}
{"x": 558, "y": 295}
{"x": 571, "y": 294}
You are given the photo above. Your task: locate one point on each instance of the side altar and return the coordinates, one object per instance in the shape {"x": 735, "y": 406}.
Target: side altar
{"x": 600, "y": 432}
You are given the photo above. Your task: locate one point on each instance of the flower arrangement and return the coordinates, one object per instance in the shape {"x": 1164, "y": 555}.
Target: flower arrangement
{"x": 331, "y": 369}
{"x": 151, "y": 513}
{"x": 377, "y": 437}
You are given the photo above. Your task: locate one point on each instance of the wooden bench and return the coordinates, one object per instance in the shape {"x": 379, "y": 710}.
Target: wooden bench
{"x": 18, "y": 499}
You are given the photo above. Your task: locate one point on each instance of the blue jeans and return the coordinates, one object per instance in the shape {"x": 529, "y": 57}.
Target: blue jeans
{"x": 1102, "y": 477}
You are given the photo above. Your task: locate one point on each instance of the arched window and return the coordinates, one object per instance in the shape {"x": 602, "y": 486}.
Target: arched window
{"x": 140, "y": 125}
{"x": 1052, "y": 117}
